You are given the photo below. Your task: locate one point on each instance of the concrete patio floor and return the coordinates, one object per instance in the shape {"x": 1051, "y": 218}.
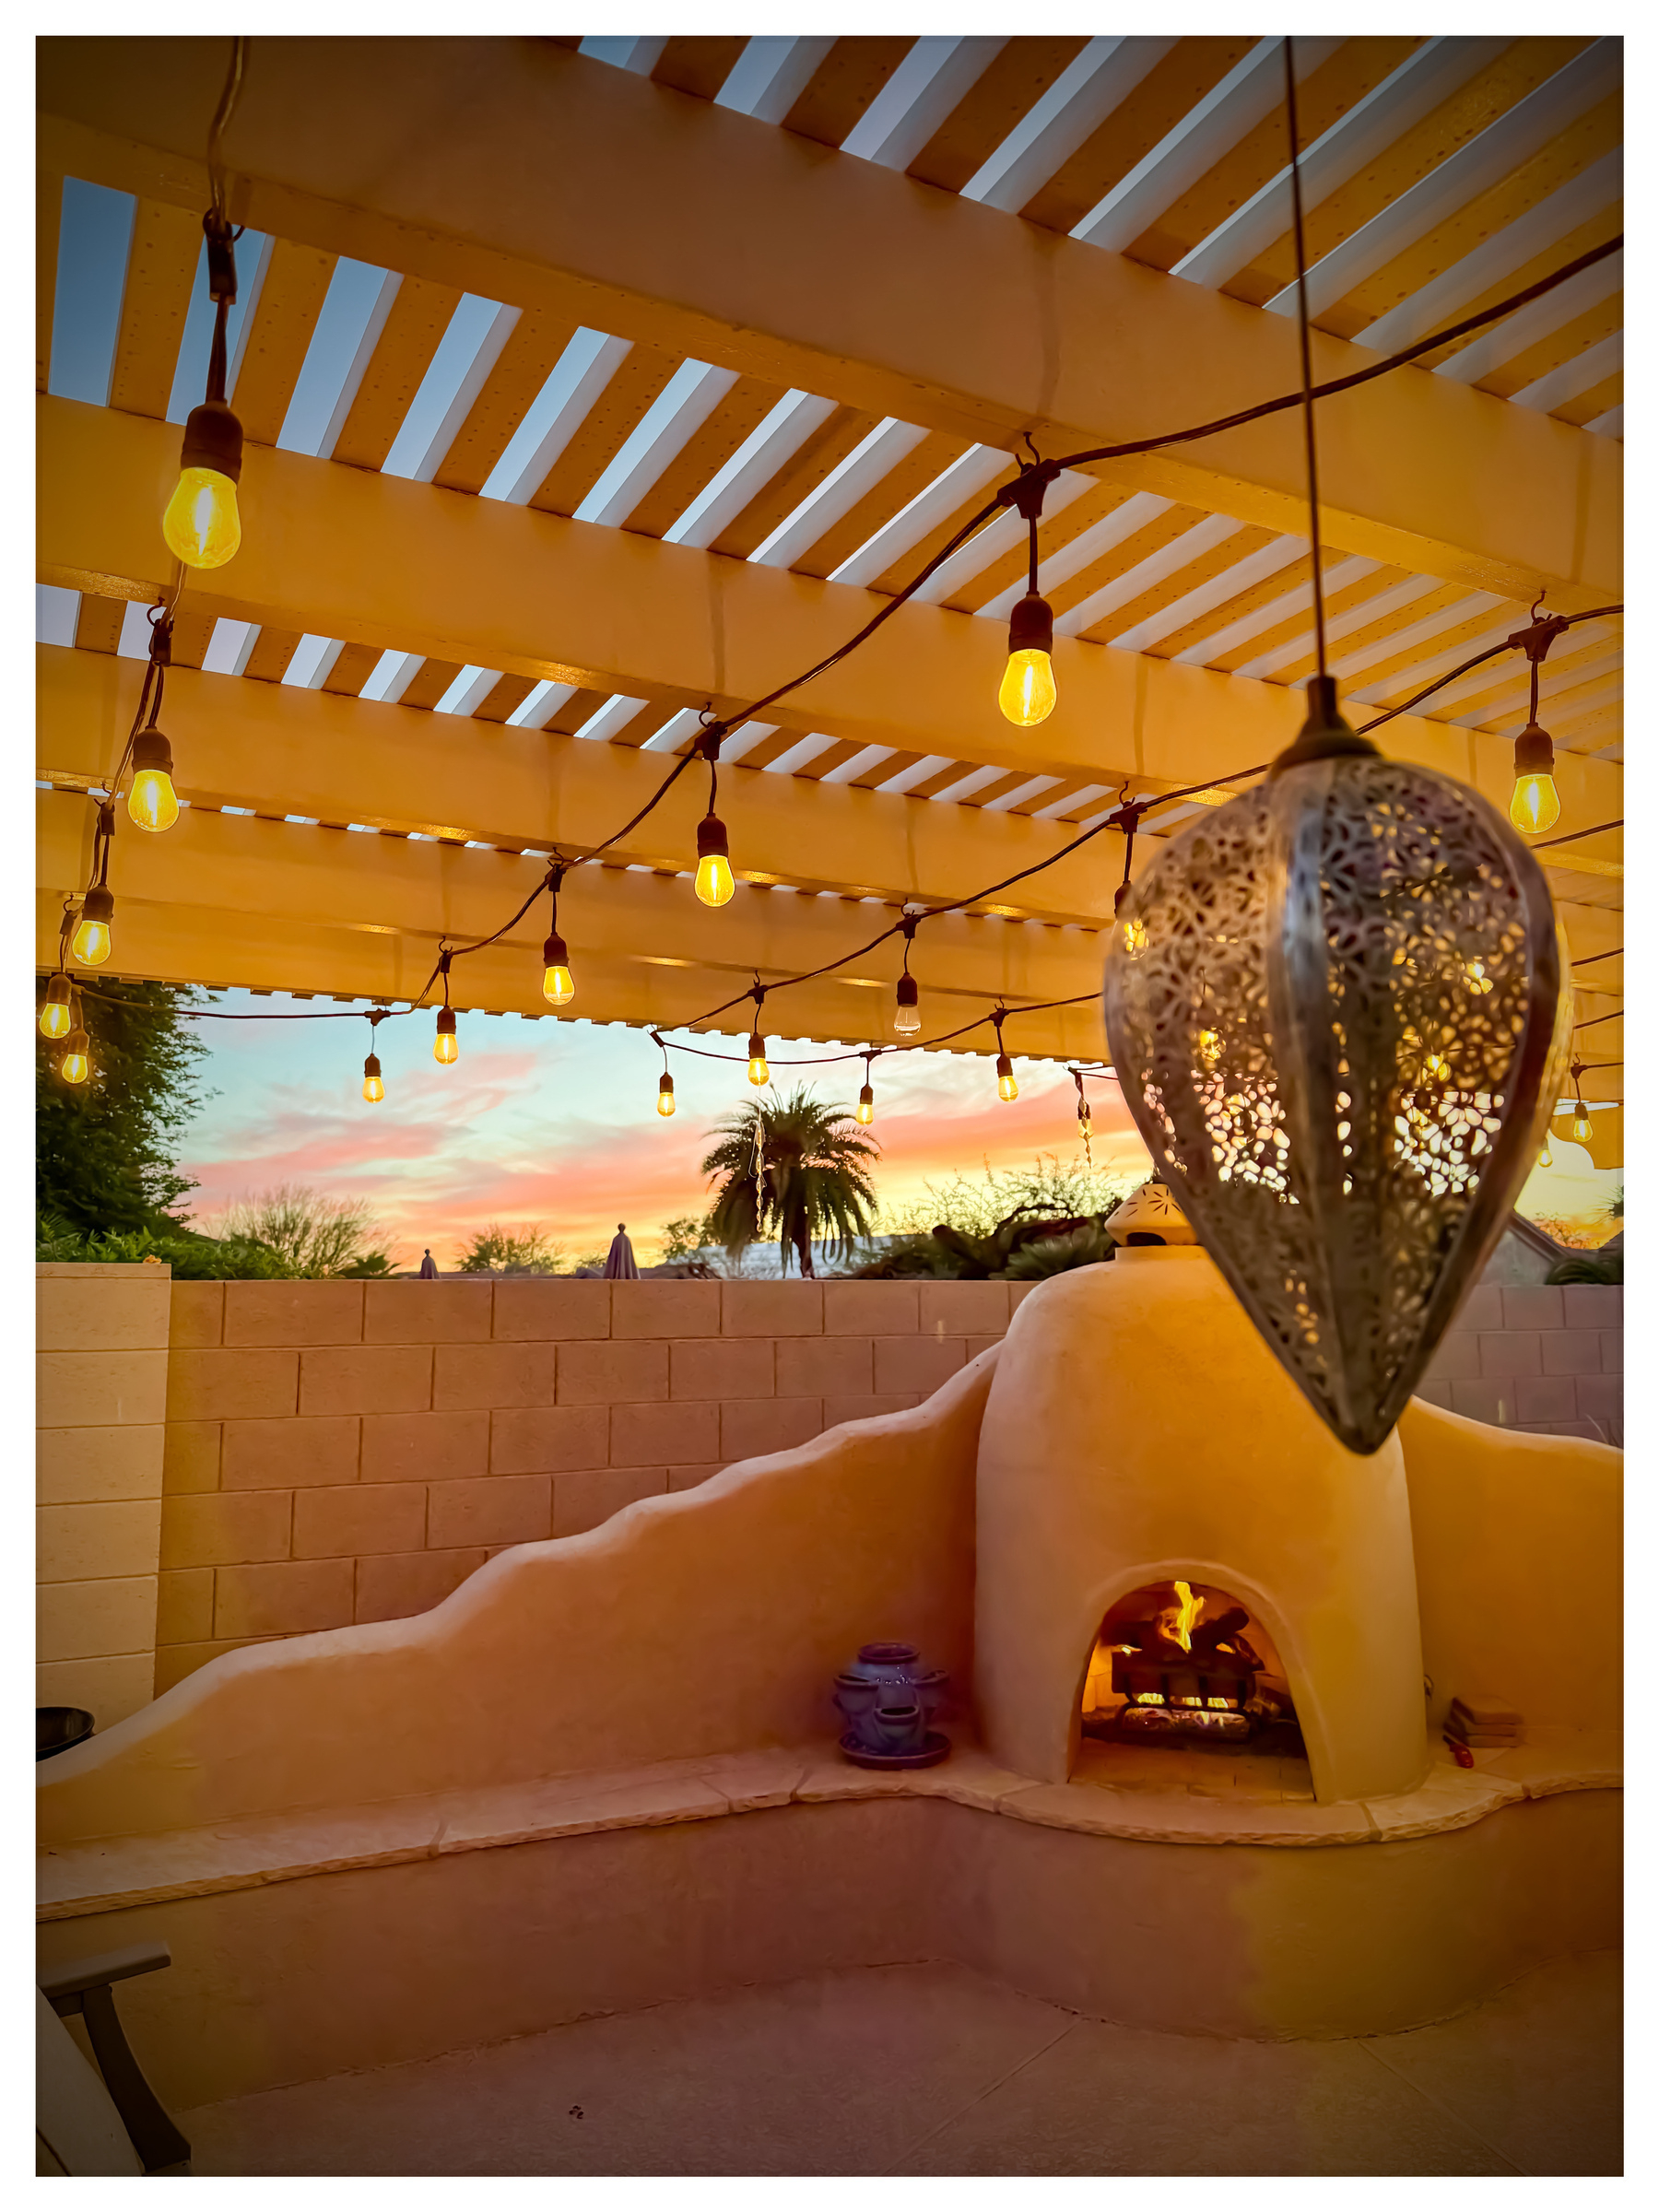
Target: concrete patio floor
{"x": 930, "y": 2069}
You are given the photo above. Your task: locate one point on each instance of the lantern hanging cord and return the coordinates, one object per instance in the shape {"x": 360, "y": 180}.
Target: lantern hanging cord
{"x": 1310, "y": 444}
{"x": 221, "y": 122}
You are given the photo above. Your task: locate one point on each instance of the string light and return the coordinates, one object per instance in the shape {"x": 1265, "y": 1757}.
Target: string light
{"x": 1546, "y": 1158}
{"x": 152, "y": 803}
{"x": 92, "y": 938}
{"x": 714, "y": 882}
{"x": 446, "y": 1046}
{"x": 557, "y": 987}
{"x": 665, "y": 1095}
{"x": 759, "y": 1073}
{"x": 374, "y": 1088}
{"x": 1027, "y": 695}
{"x": 906, "y": 1009}
{"x": 1007, "y": 1089}
{"x": 77, "y": 1063}
{"x": 54, "y": 1014}
{"x": 1534, "y": 804}
{"x": 866, "y": 1112}
{"x": 202, "y": 525}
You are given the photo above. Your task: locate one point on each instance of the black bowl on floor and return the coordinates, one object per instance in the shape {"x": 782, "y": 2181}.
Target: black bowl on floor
{"x": 60, "y": 1728}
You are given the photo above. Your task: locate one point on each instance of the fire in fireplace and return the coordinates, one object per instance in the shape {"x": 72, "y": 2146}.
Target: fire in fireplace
{"x": 1180, "y": 1662}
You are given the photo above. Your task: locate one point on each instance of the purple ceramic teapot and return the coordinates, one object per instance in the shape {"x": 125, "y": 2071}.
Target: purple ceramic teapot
{"x": 887, "y": 1698}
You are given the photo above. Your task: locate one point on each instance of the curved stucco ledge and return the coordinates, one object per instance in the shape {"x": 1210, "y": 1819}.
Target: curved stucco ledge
{"x": 114, "y": 1873}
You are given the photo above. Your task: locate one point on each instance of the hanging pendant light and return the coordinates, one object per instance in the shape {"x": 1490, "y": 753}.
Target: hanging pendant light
{"x": 1335, "y": 1008}
{"x": 866, "y": 1112}
{"x": 907, "y": 1008}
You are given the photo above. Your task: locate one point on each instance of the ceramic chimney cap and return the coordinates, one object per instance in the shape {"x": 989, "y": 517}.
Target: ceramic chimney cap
{"x": 1150, "y": 1211}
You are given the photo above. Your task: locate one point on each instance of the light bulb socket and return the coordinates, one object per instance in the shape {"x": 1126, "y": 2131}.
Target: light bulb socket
{"x": 221, "y": 258}
{"x": 1005, "y": 1067}
{"x": 666, "y": 1087}
{"x": 1326, "y": 735}
{"x": 866, "y": 1097}
{"x": 98, "y": 905}
{"x": 757, "y": 1046}
{"x": 1535, "y": 752}
{"x": 446, "y": 1021}
{"x": 1119, "y": 898}
{"x": 711, "y": 837}
{"x": 907, "y": 994}
{"x": 371, "y": 1067}
{"x": 555, "y": 953}
{"x": 1031, "y": 625}
{"x": 77, "y": 1041}
{"x": 213, "y": 438}
{"x": 152, "y": 754}
{"x": 57, "y": 991}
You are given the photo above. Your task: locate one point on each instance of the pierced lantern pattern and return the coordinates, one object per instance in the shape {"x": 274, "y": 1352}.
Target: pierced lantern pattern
{"x": 1335, "y": 1008}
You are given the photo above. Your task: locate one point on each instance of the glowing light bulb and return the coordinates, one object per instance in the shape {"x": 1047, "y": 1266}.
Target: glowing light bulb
{"x": 75, "y": 1065}
{"x": 1534, "y": 804}
{"x": 1583, "y": 1129}
{"x": 1546, "y": 1158}
{"x": 374, "y": 1090}
{"x": 55, "y": 1015}
{"x": 907, "y": 1010}
{"x": 713, "y": 884}
{"x": 1007, "y": 1089}
{"x": 202, "y": 525}
{"x": 92, "y": 942}
{"x": 866, "y": 1106}
{"x": 665, "y": 1096}
{"x": 1027, "y": 694}
{"x": 556, "y": 986}
{"x": 759, "y": 1072}
{"x": 152, "y": 802}
{"x": 446, "y": 1046}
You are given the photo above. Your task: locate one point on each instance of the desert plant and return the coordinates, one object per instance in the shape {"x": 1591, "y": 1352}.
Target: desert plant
{"x": 315, "y": 1235}
{"x": 979, "y": 1205}
{"x": 509, "y": 1250}
{"x": 1589, "y": 1267}
{"x": 1086, "y": 1247}
{"x": 192, "y": 1258}
{"x": 792, "y": 1168}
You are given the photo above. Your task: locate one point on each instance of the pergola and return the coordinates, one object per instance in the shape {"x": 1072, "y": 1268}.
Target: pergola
{"x": 591, "y": 385}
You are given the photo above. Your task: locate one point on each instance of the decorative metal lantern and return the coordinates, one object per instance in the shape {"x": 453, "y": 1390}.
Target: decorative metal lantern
{"x": 1335, "y": 1008}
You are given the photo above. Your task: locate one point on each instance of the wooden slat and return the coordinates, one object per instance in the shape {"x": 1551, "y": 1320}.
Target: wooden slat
{"x": 526, "y": 362}
{"x": 192, "y": 636}
{"x": 1236, "y": 608}
{"x": 291, "y": 299}
{"x": 1163, "y": 531}
{"x": 828, "y": 445}
{"x": 167, "y": 246}
{"x": 418, "y": 319}
{"x": 1337, "y": 603}
{"x": 355, "y": 664}
{"x": 1417, "y": 153}
{"x": 1589, "y": 405}
{"x": 610, "y": 420}
{"x": 917, "y": 557}
{"x": 1564, "y": 344}
{"x": 698, "y": 66}
{"x": 98, "y": 626}
{"x": 1596, "y": 233}
{"x": 49, "y": 208}
{"x": 1164, "y": 95}
{"x": 645, "y": 723}
{"x": 1372, "y": 633}
{"x": 575, "y": 711}
{"x": 1338, "y": 84}
{"x": 1200, "y": 570}
{"x": 842, "y": 87}
{"x": 1569, "y": 152}
{"x": 273, "y": 650}
{"x": 506, "y": 698}
{"x": 996, "y": 104}
{"x": 432, "y": 680}
{"x": 744, "y": 408}
{"x": 879, "y": 504}
{"x": 1399, "y": 675}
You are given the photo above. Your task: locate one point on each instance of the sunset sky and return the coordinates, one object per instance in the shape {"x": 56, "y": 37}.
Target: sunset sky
{"x": 555, "y": 1123}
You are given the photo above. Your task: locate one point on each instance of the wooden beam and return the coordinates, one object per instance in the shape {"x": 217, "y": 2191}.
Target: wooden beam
{"x": 706, "y": 233}
{"x": 343, "y": 553}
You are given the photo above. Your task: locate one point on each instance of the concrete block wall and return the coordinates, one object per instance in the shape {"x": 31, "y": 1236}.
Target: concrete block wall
{"x": 100, "y": 1389}
{"x": 1541, "y": 1357}
{"x": 351, "y": 1451}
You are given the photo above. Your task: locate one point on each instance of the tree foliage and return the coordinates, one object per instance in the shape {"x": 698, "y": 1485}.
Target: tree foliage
{"x": 496, "y": 1250}
{"x": 311, "y": 1233}
{"x": 106, "y": 1149}
{"x": 795, "y": 1168}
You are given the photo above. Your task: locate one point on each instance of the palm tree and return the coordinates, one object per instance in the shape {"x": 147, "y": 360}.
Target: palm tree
{"x": 793, "y": 1167}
